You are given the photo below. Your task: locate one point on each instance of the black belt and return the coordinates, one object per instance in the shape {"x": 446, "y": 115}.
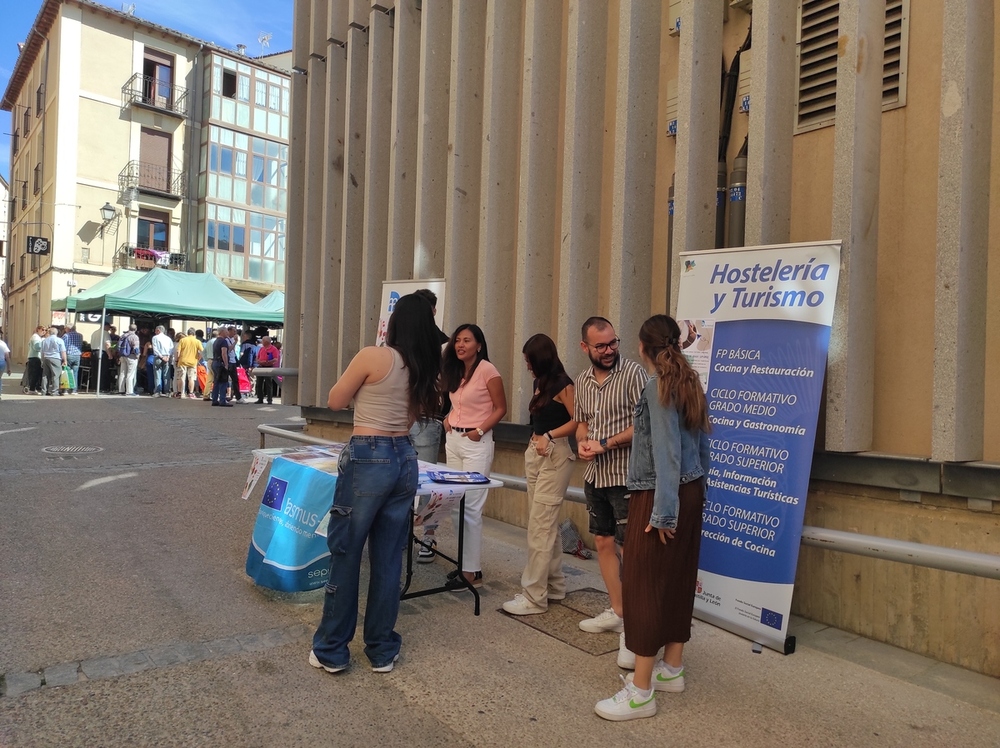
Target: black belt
{"x": 461, "y": 430}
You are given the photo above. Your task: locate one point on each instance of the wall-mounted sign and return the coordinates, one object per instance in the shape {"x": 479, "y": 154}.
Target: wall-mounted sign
{"x": 38, "y": 245}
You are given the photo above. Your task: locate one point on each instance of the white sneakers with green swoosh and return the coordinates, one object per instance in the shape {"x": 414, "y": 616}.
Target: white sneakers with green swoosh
{"x": 663, "y": 679}
{"x": 629, "y": 703}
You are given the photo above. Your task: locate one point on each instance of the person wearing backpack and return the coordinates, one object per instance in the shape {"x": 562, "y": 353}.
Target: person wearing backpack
{"x": 128, "y": 361}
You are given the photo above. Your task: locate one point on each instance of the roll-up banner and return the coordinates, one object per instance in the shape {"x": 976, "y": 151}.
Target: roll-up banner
{"x": 755, "y": 324}
{"x": 392, "y": 291}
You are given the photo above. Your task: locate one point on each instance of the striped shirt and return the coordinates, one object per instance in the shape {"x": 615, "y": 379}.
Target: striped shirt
{"x": 608, "y": 409}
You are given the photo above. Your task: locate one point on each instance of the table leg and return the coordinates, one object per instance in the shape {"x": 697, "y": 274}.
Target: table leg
{"x": 409, "y": 560}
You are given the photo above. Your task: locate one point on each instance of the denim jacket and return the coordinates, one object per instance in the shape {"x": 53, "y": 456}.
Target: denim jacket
{"x": 664, "y": 455}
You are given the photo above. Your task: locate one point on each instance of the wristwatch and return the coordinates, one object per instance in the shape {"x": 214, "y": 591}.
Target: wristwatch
{"x": 603, "y": 443}
{"x": 480, "y": 432}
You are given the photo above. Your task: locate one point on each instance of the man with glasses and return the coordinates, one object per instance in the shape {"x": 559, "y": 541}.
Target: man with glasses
{"x": 606, "y": 396}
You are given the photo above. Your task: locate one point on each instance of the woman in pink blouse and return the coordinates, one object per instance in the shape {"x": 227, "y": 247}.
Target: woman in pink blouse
{"x": 478, "y": 403}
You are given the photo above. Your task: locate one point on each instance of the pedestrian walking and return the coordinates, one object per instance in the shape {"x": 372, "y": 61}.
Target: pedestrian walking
{"x": 33, "y": 362}
{"x": 4, "y": 363}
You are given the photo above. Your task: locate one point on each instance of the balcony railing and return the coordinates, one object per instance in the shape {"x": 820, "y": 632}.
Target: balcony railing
{"x": 147, "y": 177}
{"x": 143, "y": 258}
{"x": 147, "y": 91}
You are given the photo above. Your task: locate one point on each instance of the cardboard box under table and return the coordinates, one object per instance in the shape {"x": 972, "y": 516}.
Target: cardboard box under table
{"x": 288, "y": 550}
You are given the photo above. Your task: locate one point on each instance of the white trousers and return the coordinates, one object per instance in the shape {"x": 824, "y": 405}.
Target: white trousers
{"x": 126, "y": 374}
{"x": 468, "y": 455}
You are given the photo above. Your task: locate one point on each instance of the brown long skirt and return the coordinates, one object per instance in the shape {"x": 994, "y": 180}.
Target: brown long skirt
{"x": 658, "y": 580}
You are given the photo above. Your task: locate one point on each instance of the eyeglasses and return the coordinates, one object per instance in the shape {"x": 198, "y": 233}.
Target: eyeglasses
{"x": 605, "y": 347}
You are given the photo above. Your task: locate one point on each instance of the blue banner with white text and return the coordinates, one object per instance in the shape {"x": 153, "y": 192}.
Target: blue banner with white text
{"x": 756, "y": 326}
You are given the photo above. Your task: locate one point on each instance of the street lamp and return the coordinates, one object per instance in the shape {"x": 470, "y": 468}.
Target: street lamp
{"x": 108, "y": 213}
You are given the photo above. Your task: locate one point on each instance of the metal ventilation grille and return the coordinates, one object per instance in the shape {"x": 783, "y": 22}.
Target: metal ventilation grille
{"x": 818, "y": 34}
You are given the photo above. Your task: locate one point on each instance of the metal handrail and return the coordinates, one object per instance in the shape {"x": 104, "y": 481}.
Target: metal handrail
{"x": 146, "y": 90}
{"x": 144, "y": 258}
{"x": 151, "y": 178}
{"x": 916, "y": 554}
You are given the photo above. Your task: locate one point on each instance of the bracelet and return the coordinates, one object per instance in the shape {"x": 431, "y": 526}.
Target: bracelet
{"x": 549, "y": 435}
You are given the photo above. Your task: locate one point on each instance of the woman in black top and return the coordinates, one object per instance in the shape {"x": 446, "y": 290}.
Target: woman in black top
{"x": 548, "y": 465}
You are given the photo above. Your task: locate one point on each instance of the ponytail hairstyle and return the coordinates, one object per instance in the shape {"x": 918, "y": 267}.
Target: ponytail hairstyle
{"x": 678, "y": 382}
{"x": 543, "y": 358}
{"x": 411, "y": 332}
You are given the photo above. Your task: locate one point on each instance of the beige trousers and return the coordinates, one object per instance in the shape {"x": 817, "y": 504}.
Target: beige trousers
{"x": 548, "y": 476}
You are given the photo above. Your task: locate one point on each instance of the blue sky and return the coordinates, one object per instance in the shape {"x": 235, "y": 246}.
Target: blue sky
{"x": 223, "y": 22}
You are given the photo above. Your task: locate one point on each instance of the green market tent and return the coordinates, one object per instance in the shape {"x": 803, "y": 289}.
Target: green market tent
{"x": 273, "y": 302}
{"x": 115, "y": 282}
{"x": 177, "y": 295}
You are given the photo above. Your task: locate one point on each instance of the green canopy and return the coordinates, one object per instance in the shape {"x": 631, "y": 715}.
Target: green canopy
{"x": 178, "y": 295}
{"x": 115, "y": 282}
{"x": 273, "y": 302}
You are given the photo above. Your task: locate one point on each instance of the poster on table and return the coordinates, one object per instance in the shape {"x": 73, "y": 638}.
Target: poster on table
{"x": 755, "y": 324}
{"x": 286, "y": 553}
{"x": 392, "y": 291}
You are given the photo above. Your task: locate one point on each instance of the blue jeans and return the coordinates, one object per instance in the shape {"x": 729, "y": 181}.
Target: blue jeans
{"x": 73, "y": 362}
{"x": 221, "y": 375}
{"x": 426, "y": 437}
{"x": 373, "y": 500}
{"x": 161, "y": 381}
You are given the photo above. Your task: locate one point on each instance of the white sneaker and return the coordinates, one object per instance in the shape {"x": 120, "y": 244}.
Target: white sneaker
{"x": 626, "y": 657}
{"x": 314, "y": 661}
{"x": 627, "y": 704}
{"x": 522, "y": 606}
{"x": 606, "y": 621}
{"x": 386, "y": 668}
{"x": 663, "y": 679}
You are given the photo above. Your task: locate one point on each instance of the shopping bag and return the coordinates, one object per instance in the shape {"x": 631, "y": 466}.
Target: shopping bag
{"x": 64, "y": 378}
{"x": 244, "y": 380}
{"x": 72, "y": 379}
{"x": 202, "y": 377}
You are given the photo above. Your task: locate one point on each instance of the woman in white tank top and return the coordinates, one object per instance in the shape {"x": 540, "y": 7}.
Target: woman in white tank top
{"x": 377, "y": 479}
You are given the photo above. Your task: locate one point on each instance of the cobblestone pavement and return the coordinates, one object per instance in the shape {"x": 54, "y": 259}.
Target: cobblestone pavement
{"x": 126, "y": 620}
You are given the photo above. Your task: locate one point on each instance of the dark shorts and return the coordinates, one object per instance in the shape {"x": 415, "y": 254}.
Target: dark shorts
{"x": 608, "y": 509}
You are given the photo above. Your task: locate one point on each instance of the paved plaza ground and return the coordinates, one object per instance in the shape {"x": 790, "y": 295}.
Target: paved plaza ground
{"x": 126, "y": 619}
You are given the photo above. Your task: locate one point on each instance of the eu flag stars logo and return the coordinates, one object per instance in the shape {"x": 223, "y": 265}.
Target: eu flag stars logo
{"x": 274, "y": 494}
{"x": 770, "y": 618}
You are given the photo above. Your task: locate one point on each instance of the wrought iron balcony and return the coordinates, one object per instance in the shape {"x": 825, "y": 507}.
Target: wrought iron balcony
{"x": 146, "y": 177}
{"x": 143, "y": 258}
{"x": 146, "y": 91}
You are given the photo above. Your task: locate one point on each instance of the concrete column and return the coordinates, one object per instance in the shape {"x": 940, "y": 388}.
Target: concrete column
{"x": 465, "y": 142}
{"x": 498, "y": 224}
{"x": 331, "y": 305}
{"x": 297, "y": 196}
{"x": 403, "y": 156}
{"x": 850, "y": 380}
{"x": 379, "y": 144}
{"x": 960, "y": 312}
{"x": 538, "y": 190}
{"x": 353, "y": 228}
{"x": 634, "y": 186}
{"x": 697, "y": 159}
{"x": 292, "y": 333}
{"x": 772, "y": 98}
{"x": 583, "y": 141}
{"x": 315, "y": 179}
{"x": 432, "y": 139}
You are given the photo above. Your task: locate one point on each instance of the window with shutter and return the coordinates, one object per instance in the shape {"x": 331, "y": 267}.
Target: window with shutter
{"x": 818, "y": 33}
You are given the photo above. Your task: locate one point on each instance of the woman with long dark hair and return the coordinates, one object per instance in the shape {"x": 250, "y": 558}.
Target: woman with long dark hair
{"x": 377, "y": 478}
{"x": 666, "y": 474}
{"x": 478, "y": 402}
{"x": 548, "y": 465}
